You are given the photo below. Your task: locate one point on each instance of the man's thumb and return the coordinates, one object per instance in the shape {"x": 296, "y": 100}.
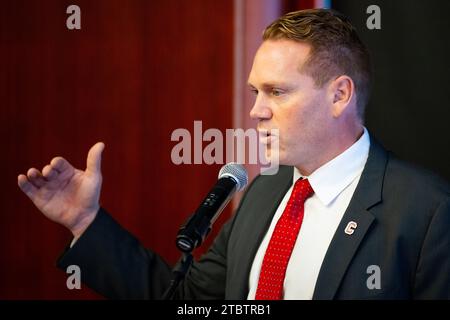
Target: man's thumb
{"x": 94, "y": 158}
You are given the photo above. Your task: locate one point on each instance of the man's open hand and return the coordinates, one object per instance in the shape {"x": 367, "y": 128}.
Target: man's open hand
{"x": 65, "y": 194}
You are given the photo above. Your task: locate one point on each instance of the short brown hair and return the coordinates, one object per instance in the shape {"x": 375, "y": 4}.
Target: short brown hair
{"x": 335, "y": 48}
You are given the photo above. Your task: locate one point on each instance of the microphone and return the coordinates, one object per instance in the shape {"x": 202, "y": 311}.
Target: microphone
{"x": 232, "y": 178}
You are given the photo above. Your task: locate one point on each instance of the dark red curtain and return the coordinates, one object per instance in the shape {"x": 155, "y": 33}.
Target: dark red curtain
{"x": 136, "y": 71}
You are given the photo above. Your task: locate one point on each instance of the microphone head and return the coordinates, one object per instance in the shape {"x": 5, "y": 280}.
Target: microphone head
{"x": 237, "y": 172}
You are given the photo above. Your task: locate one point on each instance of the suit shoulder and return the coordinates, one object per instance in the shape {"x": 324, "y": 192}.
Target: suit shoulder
{"x": 262, "y": 184}
{"x": 416, "y": 180}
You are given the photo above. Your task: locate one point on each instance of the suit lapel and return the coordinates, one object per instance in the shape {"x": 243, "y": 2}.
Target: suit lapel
{"x": 341, "y": 251}
{"x": 344, "y": 245}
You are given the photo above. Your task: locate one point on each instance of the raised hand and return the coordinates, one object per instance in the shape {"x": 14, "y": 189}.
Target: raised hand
{"x": 64, "y": 194}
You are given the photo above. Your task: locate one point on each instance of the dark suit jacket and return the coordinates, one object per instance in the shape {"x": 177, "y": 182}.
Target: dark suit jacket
{"x": 403, "y": 220}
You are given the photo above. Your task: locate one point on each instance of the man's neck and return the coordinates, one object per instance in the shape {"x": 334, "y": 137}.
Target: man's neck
{"x": 341, "y": 143}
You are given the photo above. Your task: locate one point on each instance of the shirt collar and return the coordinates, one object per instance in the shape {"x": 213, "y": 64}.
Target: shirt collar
{"x": 333, "y": 177}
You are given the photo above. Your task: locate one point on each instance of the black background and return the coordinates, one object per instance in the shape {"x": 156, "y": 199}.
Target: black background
{"x": 409, "y": 106}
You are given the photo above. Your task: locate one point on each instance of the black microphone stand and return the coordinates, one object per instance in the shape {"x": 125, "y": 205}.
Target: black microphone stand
{"x": 178, "y": 274}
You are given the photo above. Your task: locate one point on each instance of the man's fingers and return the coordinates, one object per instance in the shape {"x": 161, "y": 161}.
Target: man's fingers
{"x": 94, "y": 159}
{"x": 26, "y": 186}
{"x": 35, "y": 177}
{"x": 49, "y": 173}
{"x": 60, "y": 164}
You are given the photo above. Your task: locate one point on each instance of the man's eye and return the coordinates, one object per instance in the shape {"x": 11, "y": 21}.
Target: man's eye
{"x": 254, "y": 91}
{"x": 276, "y": 92}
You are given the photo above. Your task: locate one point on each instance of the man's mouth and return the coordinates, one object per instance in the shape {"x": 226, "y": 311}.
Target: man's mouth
{"x": 265, "y": 136}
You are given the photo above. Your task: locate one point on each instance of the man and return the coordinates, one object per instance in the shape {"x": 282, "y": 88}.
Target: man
{"x": 342, "y": 219}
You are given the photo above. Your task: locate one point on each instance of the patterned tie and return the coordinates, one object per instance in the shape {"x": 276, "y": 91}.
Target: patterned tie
{"x": 278, "y": 253}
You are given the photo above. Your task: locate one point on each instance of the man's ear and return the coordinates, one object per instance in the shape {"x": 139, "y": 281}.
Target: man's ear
{"x": 342, "y": 90}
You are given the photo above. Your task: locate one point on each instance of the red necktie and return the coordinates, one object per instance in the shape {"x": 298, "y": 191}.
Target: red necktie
{"x": 279, "y": 250}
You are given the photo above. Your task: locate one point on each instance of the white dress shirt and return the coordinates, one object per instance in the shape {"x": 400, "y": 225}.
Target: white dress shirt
{"x": 334, "y": 184}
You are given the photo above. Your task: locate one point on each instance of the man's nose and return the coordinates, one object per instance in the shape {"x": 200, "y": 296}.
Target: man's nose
{"x": 260, "y": 110}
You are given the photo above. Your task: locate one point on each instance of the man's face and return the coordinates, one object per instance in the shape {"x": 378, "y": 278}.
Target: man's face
{"x": 289, "y": 101}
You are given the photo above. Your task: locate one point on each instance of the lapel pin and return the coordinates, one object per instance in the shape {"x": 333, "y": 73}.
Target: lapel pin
{"x": 350, "y": 228}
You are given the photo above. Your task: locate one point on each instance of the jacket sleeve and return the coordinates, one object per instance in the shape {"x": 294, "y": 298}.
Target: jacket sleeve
{"x": 432, "y": 279}
{"x": 116, "y": 265}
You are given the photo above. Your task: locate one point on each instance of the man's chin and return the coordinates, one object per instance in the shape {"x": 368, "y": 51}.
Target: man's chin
{"x": 275, "y": 157}
{"x": 284, "y": 160}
